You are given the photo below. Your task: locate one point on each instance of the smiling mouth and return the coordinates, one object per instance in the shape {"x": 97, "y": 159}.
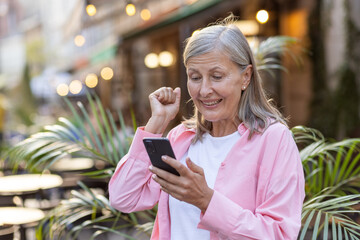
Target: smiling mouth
{"x": 212, "y": 103}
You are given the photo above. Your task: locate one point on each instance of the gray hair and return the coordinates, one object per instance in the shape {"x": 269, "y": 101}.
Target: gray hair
{"x": 255, "y": 110}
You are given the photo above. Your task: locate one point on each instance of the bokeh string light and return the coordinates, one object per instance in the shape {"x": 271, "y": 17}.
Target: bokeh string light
{"x": 166, "y": 59}
{"x": 79, "y": 40}
{"x": 262, "y": 16}
{"x": 62, "y": 89}
{"x": 91, "y": 80}
{"x": 107, "y": 73}
{"x": 151, "y": 60}
{"x": 90, "y": 10}
{"x": 75, "y": 87}
{"x": 145, "y": 14}
{"x": 130, "y": 9}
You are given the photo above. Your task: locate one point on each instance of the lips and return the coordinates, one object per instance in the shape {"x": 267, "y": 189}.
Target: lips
{"x": 211, "y": 103}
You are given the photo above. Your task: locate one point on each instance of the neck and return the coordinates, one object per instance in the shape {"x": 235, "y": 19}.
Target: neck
{"x": 224, "y": 128}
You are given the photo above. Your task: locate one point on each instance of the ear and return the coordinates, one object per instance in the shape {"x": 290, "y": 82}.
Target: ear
{"x": 247, "y": 73}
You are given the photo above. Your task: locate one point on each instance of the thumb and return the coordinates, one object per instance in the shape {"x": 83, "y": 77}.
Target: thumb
{"x": 193, "y": 167}
{"x": 177, "y": 92}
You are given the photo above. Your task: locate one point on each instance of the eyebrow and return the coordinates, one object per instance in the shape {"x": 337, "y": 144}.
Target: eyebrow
{"x": 211, "y": 69}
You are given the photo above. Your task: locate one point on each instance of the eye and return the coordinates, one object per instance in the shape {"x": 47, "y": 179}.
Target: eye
{"x": 195, "y": 78}
{"x": 217, "y": 77}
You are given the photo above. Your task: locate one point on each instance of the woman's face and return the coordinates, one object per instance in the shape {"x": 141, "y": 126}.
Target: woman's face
{"x": 215, "y": 84}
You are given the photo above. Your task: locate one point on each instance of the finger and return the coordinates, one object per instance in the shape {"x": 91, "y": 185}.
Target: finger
{"x": 163, "y": 183}
{"x": 173, "y": 189}
{"x": 182, "y": 170}
{"x": 173, "y": 194}
{"x": 157, "y": 171}
{"x": 172, "y": 95}
{"x": 164, "y": 174}
{"x": 169, "y": 96}
{"x": 193, "y": 167}
{"x": 165, "y": 95}
{"x": 153, "y": 96}
{"x": 176, "y": 195}
{"x": 161, "y": 94}
{"x": 153, "y": 99}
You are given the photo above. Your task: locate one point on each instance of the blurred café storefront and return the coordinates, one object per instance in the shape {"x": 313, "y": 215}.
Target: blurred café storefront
{"x": 124, "y": 50}
{"x": 142, "y": 42}
{"x": 149, "y": 55}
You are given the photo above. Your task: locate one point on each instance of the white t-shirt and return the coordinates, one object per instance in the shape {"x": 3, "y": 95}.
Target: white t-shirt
{"x": 208, "y": 154}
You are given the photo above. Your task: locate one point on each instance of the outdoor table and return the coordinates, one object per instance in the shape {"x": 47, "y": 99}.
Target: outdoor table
{"x": 7, "y": 231}
{"x": 20, "y": 216}
{"x": 72, "y": 164}
{"x": 28, "y": 183}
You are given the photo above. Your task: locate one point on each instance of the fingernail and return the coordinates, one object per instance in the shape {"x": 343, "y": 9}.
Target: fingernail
{"x": 150, "y": 167}
{"x": 153, "y": 176}
{"x": 163, "y": 157}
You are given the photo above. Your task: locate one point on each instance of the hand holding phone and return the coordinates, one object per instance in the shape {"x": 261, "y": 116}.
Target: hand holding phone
{"x": 158, "y": 147}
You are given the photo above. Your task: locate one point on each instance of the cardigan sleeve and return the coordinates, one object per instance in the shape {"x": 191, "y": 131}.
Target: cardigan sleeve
{"x": 131, "y": 187}
{"x": 278, "y": 211}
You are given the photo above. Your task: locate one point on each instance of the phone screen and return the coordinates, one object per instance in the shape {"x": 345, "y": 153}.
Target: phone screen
{"x": 157, "y": 147}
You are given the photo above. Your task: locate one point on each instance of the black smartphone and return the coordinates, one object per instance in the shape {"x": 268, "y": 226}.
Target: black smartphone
{"x": 157, "y": 147}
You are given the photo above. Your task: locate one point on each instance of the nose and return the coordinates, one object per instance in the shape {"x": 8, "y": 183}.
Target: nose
{"x": 206, "y": 88}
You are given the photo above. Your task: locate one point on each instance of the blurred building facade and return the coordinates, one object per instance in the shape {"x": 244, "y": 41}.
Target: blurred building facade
{"x": 78, "y": 43}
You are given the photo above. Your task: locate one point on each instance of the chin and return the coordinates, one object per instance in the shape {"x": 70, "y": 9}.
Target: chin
{"x": 217, "y": 118}
{"x": 211, "y": 119}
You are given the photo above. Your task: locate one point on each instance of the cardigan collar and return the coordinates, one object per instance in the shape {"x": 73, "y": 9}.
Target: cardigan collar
{"x": 241, "y": 129}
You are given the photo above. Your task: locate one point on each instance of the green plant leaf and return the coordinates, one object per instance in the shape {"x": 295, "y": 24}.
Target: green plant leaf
{"x": 109, "y": 135}
{"x": 79, "y": 122}
{"x": 116, "y": 133}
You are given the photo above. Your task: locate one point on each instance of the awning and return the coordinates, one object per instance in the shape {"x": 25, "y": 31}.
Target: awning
{"x": 179, "y": 14}
{"x": 104, "y": 56}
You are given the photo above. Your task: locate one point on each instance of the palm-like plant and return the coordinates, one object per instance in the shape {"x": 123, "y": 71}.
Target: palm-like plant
{"x": 332, "y": 173}
{"x": 269, "y": 52}
{"x": 87, "y": 210}
{"x": 79, "y": 137}
{"x": 331, "y": 168}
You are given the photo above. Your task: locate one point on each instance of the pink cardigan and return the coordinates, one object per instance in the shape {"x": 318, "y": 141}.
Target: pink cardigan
{"x": 258, "y": 193}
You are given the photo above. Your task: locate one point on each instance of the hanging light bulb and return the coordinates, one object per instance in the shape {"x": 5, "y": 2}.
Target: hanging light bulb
{"x": 130, "y": 9}
{"x": 262, "y": 16}
{"x": 79, "y": 40}
{"x": 145, "y": 14}
{"x": 91, "y": 10}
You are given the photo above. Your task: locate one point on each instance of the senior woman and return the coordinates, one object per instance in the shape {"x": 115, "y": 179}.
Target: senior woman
{"x": 241, "y": 176}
